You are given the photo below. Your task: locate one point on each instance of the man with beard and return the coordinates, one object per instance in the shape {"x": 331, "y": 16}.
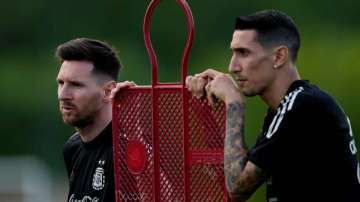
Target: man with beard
{"x": 88, "y": 72}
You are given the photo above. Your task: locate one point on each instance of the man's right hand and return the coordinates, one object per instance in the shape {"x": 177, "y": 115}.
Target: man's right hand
{"x": 214, "y": 84}
{"x": 119, "y": 86}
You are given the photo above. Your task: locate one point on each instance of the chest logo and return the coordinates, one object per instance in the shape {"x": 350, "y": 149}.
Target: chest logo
{"x": 98, "y": 182}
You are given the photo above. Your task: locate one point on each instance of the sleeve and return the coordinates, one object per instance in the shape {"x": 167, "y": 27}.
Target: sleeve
{"x": 279, "y": 141}
{"x": 266, "y": 152}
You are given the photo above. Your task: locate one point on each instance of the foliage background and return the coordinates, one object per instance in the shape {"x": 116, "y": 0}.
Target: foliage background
{"x": 31, "y": 30}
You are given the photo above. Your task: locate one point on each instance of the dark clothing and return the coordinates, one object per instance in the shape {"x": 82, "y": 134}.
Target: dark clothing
{"x": 90, "y": 167}
{"x": 307, "y": 149}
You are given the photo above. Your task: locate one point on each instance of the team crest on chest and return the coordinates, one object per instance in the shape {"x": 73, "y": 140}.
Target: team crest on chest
{"x": 98, "y": 182}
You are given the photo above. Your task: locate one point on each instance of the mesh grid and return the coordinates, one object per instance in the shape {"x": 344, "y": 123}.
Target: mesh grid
{"x": 206, "y": 130}
{"x": 134, "y": 118}
{"x": 206, "y": 124}
{"x": 206, "y": 183}
{"x": 171, "y": 146}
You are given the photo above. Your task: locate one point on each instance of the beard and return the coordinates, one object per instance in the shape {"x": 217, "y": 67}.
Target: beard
{"x": 79, "y": 117}
{"x": 251, "y": 91}
{"x": 78, "y": 122}
{"x": 82, "y": 123}
{"x": 249, "y": 94}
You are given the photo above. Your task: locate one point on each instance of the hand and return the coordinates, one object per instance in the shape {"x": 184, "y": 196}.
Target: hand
{"x": 214, "y": 84}
{"x": 224, "y": 88}
{"x": 196, "y": 84}
{"x": 119, "y": 86}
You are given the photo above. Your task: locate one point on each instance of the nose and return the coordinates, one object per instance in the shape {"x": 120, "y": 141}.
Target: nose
{"x": 64, "y": 93}
{"x": 235, "y": 65}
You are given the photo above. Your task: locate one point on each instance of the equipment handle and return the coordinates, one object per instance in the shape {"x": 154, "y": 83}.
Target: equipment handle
{"x": 150, "y": 50}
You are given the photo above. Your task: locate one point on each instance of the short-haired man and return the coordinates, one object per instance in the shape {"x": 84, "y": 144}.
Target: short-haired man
{"x": 306, "y": 150}
{"x": 88, "y": 72}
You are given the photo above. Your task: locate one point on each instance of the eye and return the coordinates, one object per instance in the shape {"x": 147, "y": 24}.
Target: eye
{"x": 77, "y": 84}
{"x": 243, "y": 51}
{"x": 60, "y": 82}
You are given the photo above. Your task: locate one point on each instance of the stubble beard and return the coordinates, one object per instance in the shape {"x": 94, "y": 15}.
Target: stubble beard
{"x": 79, "y": 122}
{"x": 249, "y": 93}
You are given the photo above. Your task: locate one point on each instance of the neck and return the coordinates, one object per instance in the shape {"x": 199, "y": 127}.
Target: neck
{"x": 91, "y": 131}
{"x": 276, "y": 92}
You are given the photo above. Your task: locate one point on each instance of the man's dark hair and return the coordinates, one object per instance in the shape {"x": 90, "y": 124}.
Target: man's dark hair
{"x": 273, "y": 28}
{"x": 102, "y": 55}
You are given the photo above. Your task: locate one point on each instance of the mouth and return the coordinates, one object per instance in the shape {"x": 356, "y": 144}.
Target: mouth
{"x": 66, "y": 108}
{"x": 66, "y": 111}
{"x": 241, "y": 81}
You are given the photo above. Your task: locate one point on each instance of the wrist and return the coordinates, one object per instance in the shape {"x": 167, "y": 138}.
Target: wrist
{"x": 234, "y": 97}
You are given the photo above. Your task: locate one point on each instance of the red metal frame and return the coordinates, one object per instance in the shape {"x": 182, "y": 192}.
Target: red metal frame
{"x": 181, "y": 135}
{"x": 156, "y": 85}
{"x": 151, "y": 53}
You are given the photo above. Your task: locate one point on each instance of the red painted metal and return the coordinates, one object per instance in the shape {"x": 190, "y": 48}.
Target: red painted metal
{"x": 135, "y": 156}
{"x": 180, "y": 137}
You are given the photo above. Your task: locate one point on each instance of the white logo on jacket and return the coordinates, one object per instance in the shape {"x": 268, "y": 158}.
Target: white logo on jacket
{"x": 98, "y": 182}
{"x": 85, "y": 199}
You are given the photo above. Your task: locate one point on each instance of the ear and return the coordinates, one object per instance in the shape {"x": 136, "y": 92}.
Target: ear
{"x": 107, "y": 91}
{"x": 281, "y": 56}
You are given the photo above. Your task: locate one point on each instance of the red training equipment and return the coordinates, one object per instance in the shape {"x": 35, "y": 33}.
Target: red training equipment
{"x": 168, "y": 145}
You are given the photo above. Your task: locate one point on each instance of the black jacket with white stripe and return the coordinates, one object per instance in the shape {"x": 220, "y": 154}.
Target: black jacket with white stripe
{"x": 307, "y": 149}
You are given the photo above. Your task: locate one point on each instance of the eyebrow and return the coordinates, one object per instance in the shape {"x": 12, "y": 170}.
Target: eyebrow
{"x": 239, "y": 49}
{"x": 71, "y": 81}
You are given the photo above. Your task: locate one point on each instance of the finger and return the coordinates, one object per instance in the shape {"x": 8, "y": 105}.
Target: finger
{"x": 188, "y": 82}
{"x": 200, "y": 87}
{"x": 209, "y": 74}
{"x": 192, "y": 85}
{"x": 233, "y": 81}
{"x": 124, "y": 84}
{"x": 209, "y": 94}
{"x": 113, "y": 93}
{"x": 119, "y": 86}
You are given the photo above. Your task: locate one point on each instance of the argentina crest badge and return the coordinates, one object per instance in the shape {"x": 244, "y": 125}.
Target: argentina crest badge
{"x": 98, "y": 182}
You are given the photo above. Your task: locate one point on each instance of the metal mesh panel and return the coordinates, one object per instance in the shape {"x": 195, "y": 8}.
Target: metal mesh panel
{"x": 132, "y": 121}
{"x": 179, "y": 137}
{"x": 206, "y": 124}
{"x": 206, "y": 183}
{"x": 171, "y": 146}
{"x": 165, "y": 175}
{"x": 207, "y": 133}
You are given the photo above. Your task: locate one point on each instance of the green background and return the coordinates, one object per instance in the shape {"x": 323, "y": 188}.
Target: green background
{"x": 31, "y": 30}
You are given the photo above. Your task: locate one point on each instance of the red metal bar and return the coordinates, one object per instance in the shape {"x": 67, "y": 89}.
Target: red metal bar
{"x": 182, "y": 136}
{"x": 116, "y": 147}
{"x": 154, "y": 82}
{"x": 150, "y": 50}
{"x": 190, "y": 23}
{"x": 186, "y": 138}
{"x": 155, "y": 85}
{"x": 148, "y": 44}
{"x": 156, "y": 143}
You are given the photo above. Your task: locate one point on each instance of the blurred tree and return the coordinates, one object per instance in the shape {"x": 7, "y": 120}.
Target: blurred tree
{"x": 30, "y": 31}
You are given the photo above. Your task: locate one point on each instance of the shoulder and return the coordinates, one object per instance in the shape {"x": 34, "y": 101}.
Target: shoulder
{"x": 311, "y": 99}
{"x": 73, "y": 140}
{"x": 71, "y": 144}
{"x": 314, "y": 108}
